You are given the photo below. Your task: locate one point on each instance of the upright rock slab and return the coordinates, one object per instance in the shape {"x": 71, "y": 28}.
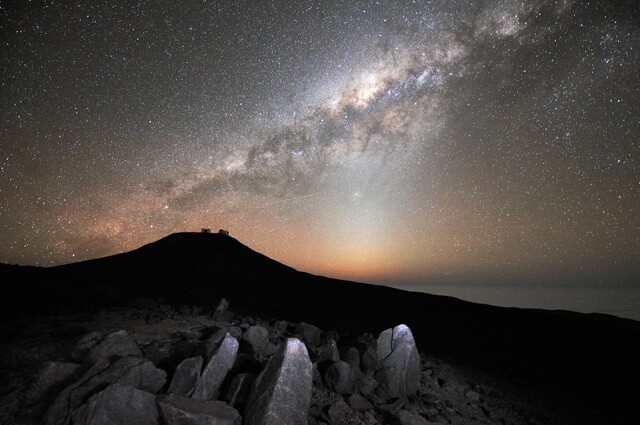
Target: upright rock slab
{"x": 281, "y": 393}
{"x": 398, "y": 355}
{"x": 177, "y": 410}
{"x": 118, "y": 404}
{"x": 221, "y": 310}
{"x": 214, "y": 340}
{"x": 221, "y": 362}
{"x": 186, "y": 375}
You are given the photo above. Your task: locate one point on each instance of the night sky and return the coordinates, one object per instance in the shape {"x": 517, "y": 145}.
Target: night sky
{"x": 483, "y": 142}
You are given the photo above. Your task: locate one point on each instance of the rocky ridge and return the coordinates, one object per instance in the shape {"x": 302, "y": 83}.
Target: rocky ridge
{"x": 179, "y": 366}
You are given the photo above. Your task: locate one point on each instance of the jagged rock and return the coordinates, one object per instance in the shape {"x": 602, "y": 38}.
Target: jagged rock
{"x": 405, "y": 417}
{"x": 118, "y": 405}
{"x": 131, "y": 371}
{"x": 176, "y": 410}
{"x": 186, "y": 375}
{"x": 281, "y": 394}
{"x": 309, "y": 333}
{"x": 214, "y": 340}
{"x": 239, "y": 389}
{"x": 221, "y": 309}
{"x": 255, "y": 339}
{"x": 339, "y": 377}
{"x": 400, "y": 361}
{"x": 357, "y": 402}
{"x": 329, "y": 352}
{"x": 85, "y": 344}
{"x": 116, "y": 344}
{"x": 217, "y": 368}
{"x": 53, "y": 377}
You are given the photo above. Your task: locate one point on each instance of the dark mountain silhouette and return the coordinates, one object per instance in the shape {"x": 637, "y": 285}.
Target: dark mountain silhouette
{"x": 586, "y": 364}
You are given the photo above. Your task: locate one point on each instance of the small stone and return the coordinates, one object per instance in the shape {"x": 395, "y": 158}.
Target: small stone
{"x": 216, "y": 371}
{"x": 115, "y": 345}
{"x": 118, "y": 404}
{"x": 406, "y": 417}
{"x": 472, "y": 395}
{"x": 309, "y": 333}
{"x": 176, "y": 410}
{"x": 186, "y": 375}
{"x": 369, "y": 419}
{"x": 357, "y": 402}
{"x": 85, "y": 344}
{"x": 339, "y": 412}
{"x": 281, "y": 394}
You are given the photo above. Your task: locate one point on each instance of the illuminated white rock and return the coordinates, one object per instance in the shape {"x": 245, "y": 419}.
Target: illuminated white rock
{"x": 281, "y": 393}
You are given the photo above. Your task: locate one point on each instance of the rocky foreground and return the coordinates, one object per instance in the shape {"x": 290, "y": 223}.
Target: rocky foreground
{"x": 152, "y": 364}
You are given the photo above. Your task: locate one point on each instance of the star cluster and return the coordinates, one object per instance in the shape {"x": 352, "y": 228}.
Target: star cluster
{"x": 405, "y": 141}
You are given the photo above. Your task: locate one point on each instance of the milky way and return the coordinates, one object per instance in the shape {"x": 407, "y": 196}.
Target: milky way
{"x": 405, "y": 141}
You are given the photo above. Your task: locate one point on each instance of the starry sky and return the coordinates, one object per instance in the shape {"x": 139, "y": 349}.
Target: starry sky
{"x": 479, "y": 142}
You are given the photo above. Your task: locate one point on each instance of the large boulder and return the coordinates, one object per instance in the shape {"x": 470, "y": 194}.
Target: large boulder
{"x": 118, "y": 405}
{"x": 176, "y": 410}
{"x": 398, "y": 355}
{"x": 131, "y": 371}
{"x": 116, "y": 344}
{"x": 255, "y": 339}
{"x": 281, "y": 393}
{"x": 186, "y": 375}
{"x": 216, "y": 371}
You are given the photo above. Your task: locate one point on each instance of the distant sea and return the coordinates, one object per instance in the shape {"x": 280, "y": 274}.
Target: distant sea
{"x": 617, "y": 302}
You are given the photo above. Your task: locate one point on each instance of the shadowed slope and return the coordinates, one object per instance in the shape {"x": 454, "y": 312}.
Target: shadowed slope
{"x": 587, "y": 363}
